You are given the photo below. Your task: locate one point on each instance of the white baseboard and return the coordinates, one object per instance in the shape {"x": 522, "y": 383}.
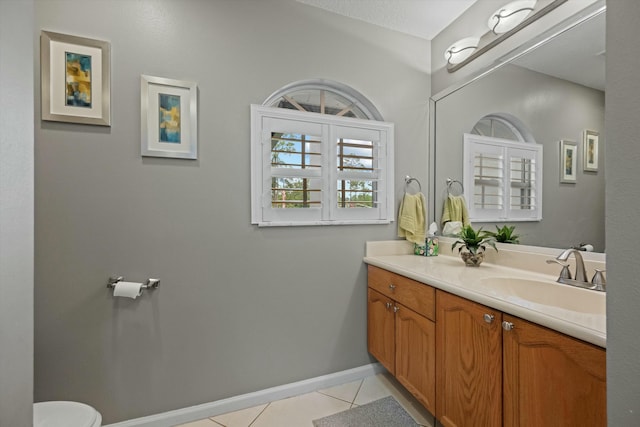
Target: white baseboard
{"x": 212, "y": 409}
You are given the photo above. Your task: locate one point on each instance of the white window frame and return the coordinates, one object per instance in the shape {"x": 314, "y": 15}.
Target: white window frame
{"x": 474, "y": 144}
{"x": 265, "y": 120}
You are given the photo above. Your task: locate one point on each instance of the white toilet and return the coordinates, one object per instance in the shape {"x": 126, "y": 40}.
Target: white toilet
{"x": 65, "y": 414}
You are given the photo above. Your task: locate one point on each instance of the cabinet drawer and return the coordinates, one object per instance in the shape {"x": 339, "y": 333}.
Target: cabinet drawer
{"x": 415, "y": 295}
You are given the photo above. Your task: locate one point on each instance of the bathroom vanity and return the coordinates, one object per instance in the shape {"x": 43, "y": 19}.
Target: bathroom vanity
{"x": 474, "y": 353}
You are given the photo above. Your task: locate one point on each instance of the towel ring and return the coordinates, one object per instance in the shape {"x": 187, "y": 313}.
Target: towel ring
{"x": 450, "y": 184}
{"x": 408, "y": 180}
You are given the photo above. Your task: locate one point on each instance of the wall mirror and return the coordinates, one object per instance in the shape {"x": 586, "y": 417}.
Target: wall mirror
{"x": 554, "y": 85}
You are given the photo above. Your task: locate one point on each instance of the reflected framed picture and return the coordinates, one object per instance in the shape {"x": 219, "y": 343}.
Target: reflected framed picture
{"x": 568, "y": 161}
{"x": 75, "y": 79}
{"x": 590, "y": 150}
{"x": 169, "y": 118}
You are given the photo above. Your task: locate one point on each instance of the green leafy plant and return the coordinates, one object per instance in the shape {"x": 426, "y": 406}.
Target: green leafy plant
{"x": 505, "y": 234}
{"x": 474, "y": 241}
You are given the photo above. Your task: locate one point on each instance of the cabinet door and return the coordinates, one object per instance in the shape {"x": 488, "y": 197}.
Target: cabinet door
{"x": 415, "y": 355}
{"x": 551, "y": 379}
{"x": 468, "y": 363}
{"x": 380, "y": 329}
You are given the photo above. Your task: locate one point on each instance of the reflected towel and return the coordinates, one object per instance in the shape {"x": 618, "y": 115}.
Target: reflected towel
{"x": 412, "y": 222}
{"x": 455, "y": 209}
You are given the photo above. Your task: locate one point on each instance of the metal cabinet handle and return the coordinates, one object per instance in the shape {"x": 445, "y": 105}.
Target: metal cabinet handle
{"x": 396, "y": 308}
{"x": 389, "y": 305}
{"x": 392, "y": 286}
{"x": 488, "y": 318}
{"x": 507, "y": 326}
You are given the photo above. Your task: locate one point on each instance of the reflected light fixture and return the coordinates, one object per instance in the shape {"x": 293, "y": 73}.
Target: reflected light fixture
{"x": 461, "y": 50}
{"x": 510, "y": 15}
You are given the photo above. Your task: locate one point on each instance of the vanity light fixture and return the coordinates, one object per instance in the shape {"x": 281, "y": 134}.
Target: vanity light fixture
{"x": 503, "y": 23}
{"x": 510, "y": 15}
{"x": 461, "y": 50}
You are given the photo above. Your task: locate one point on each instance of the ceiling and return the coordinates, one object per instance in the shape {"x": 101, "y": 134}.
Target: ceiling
{"x": 420, "y": 18}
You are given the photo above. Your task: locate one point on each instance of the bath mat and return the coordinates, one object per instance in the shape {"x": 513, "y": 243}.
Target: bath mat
{"x": 385, "y": 412}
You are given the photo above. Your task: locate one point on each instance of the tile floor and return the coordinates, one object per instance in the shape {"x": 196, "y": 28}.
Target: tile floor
{"x": 300, "y": 411}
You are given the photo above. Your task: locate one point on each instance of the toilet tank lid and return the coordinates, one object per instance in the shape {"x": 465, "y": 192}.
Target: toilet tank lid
{"x": 64, "y": 414}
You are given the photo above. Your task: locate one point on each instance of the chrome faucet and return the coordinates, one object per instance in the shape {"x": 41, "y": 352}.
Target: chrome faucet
{"x": 581, "y": 275}
{"x": 598, "y": 282}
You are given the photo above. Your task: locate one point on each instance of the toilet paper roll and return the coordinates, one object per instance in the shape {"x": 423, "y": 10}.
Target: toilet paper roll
{"x": 127, "y": 290}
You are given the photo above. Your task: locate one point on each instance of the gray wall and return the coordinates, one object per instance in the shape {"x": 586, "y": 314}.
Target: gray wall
{"x": 552, "y": 109}
{"x": 240, "y": 308}
{"x": 623, "y": 202}
{"x": 16, "y": 213}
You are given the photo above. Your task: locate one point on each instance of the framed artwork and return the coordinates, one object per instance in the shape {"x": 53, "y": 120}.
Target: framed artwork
{"x": 590, "y": 150}
{"x": 75, "y": 79}
{"x": 568, "y": 161}
{"x": 169, "y": 118}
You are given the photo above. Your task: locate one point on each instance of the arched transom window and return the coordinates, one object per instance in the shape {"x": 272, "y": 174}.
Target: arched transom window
{"x": 325, "y": 97}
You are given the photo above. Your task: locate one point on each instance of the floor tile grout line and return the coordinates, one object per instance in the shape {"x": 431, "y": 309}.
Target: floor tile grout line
{"x": 357, "y": 392}
{"x": 333, "y": 397}
{"x": 258, "y": 416}
{"x": 215, "y": 422}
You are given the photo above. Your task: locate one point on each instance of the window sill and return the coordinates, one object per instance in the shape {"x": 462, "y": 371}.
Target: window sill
{"x": 314, "y": 223}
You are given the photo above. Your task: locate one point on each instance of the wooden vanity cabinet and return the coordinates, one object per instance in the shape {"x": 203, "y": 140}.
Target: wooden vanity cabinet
{"x": 468, "y": 363}
{"x": 551, "y": 379}
{"x": 471, "y": 365}
{"x": 401, "y": 331}
{"x": 494, "y": 369}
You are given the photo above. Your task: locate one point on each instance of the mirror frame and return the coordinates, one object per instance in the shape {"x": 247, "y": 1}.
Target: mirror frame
{"x": 591, "y": 11}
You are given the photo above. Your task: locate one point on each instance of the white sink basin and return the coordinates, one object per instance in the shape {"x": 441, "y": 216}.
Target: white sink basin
{"x": 530, "y": 292}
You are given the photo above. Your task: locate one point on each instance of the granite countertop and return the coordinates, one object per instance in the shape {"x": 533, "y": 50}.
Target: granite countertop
{"x": 580, "y": 313}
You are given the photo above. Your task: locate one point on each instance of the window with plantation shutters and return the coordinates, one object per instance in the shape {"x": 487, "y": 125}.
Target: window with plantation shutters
{"x": 502, "y": 179}
{"x": 317, "y": 169}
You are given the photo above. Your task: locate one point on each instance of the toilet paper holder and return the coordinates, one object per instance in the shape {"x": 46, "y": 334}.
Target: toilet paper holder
{"x": 150, "y": 284}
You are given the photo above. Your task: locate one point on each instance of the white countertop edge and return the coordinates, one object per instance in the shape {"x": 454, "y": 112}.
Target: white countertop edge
{"x": 575, "y": 330}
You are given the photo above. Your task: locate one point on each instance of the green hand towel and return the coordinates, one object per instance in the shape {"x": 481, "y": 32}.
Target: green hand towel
{"x": 412, "y": 218}
{"x": 455, "y": 209}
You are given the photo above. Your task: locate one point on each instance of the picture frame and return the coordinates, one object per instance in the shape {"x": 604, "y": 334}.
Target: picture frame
{"x": 590, "y": 150}
{"x": 75, "y": 79}
{"x": 169, "y": 118}
{"x": 568, "y": 161}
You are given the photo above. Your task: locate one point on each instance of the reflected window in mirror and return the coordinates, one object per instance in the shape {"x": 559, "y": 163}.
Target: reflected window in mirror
{"x": 497, "y": 128}
{"x": 503, "y": 168}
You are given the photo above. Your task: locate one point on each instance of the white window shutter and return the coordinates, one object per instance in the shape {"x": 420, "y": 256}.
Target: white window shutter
{"x": 329, "y": 170}
{"x": 502, "y": 179}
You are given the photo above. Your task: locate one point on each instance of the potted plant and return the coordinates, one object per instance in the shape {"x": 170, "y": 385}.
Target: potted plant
{"x": 473, "y": 245}
{"x": 505, "y": 234}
